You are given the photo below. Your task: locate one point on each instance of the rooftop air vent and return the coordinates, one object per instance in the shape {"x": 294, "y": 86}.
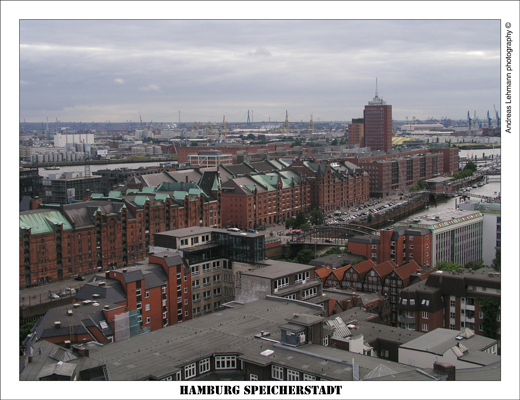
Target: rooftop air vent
{"x": 76, "y": 305}
{"x": 102, "y": 283}
{"x": 69, "y": 312}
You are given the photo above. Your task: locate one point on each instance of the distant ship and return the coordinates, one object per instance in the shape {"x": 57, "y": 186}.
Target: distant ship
{"x": 55, "y": 168}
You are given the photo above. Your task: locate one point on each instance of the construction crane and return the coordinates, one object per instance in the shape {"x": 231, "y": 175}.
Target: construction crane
{"x": 498, "y": 118}
{"x": 223, "y": 131}
{"x": 142, "y": 125}
{"x": 195, "y": 127}
{"x": 489, "y": 120}
{"x": 469, "y": 123}
{"x": 310, "y": 126}
{"x": 209, "y": 129}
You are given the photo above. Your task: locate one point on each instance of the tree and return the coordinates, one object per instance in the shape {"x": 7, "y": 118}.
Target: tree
{"x": 474, "y": 265}
{"x": 251, "y": 136}
{"x": 334, "y": 142}
{"x": 370, "y": 218}
{"x": 496, "y": 261}
{"x": 445, "y": 265}
{"x": 422, "y": 184}
{"x": 334, "y": 250}
{"x": 342, "y": 141}
{"x": 290, "y": 223}
{"x": 489, "y": 306}
{"x": 296, "y": 143}
{"x": 471, "y": 166}
{"x": 301, "y": 219}
{"x": 317, "y": 217}
{"x": 305, "y": 256}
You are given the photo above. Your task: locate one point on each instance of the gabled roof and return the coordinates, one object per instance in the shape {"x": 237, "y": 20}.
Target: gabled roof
{"x": 323, "y": 272}
{"x": 43, "y": 220}
{"x": 385, "y": 268}
{"x": 339, "y": 272}
{"x": 363, "y": 267}
{"x": 404, "y": 271}
{"x": 380, "y": 370}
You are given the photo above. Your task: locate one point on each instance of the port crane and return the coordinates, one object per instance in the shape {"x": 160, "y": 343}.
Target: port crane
{"x": 498, "y": 118}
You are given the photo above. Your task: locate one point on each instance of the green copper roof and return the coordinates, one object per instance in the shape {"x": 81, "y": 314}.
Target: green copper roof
{"x": 162, "y": 196}
{"x": 43, "y": 221}
{"x": 179, "y": 195}
{"x": 97, "y": 195}
{"x": 114, "y": 194}
{"x": 149, "y": 189}
{"x": 140, "y": 200}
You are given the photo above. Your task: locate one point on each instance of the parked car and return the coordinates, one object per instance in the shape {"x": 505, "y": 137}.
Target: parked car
{"x": 79, "y": 278}
{"x": 53, "y": 295}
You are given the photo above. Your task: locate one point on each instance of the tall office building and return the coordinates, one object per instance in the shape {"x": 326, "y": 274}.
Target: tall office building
{"x": 378, "y": 124}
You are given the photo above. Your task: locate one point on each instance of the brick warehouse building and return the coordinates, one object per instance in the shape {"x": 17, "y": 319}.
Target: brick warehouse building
{"x": 60, "y": 241}
{"x": 377, "y": 118}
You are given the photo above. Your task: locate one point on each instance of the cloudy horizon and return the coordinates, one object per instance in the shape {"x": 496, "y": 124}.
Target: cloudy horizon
{"x": 119, "y": 70}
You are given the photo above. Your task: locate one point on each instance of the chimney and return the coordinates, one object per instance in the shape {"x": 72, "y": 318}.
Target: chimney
{"x": 87, "y": 196}
{"x": 57, "y": 324}
{"x": 67, "y": 344}
{"x": 35, "y": 202}
{"x": 107, "y": 307}
{"x": 107, "y": 274}
{"x": 445, "y": 368}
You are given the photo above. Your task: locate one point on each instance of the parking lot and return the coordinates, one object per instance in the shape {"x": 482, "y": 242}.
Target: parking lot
{"x": 361, "y": 212}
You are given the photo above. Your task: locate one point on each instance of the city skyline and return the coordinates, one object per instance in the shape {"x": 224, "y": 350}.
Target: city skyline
{"x": 425, "y": 68}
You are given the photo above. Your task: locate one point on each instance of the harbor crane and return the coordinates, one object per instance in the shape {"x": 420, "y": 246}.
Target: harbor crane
{"x": 498, "y": 118}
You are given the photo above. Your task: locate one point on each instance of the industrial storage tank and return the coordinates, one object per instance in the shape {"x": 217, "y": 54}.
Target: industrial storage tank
{"x": 138, "y": 150}
{"x": 79, "y": 147}
{"x": 40, "y": 158}
{"x": 157, "y": 150}
{"x": 149, "y": 150}
{"x": 69, "y": 155}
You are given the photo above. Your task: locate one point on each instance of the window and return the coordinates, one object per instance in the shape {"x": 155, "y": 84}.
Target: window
{"x": 253, "y": 377}
{"x": 195, "y": 269}
{"x": 216, "y": 278}
{"x": 425, "y": 327}
{"x": 206, "y": 281}
{"x": 147, "y": 307}
{"x": 190, "y": 371}
{"x": 405, "y": 302}
{"x": 309, "y": 293}
{"x": 148, "y": 320}
{"x": 452, "y": 327}
{"x": 186, "y": 313}
{"x": 279, "y": 283}
{"x": 185, "y": 290}
{"x": 277, "y": 373}
{"x": 204, "y": 366}
{"x": 411, "y": 247}
{"x": 293, "y": 375}
{"x": 373, "y": 255}
{"x": 139, "y": 306}
{"x": 425, "y": 314}
{"x": 325, "y": 341}
{"x": 374, "y": 246}
{"x": 185, "y": 302}
{"x": 307, "y": 377}
{"x": 452, "y": 303}
{"x": 452, "y": 315}
{"x": 205, "y": 268}
{"x": 410, "y": 238}
{"x": 481, "y": 315}
{"x": 146, "y": 294}
{"x": 184, "y": 242}
{"x": 196, "y": 297}
{"x": 195, "y": 283}
{"x": 412, "y": 302}
{"x": 225, "y": 362}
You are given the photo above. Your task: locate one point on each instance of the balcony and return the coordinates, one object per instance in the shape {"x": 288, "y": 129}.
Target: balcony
{"x": 405, "y": 319}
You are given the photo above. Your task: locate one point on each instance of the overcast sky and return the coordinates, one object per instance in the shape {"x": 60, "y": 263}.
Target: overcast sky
{"x": 89, "y": 70}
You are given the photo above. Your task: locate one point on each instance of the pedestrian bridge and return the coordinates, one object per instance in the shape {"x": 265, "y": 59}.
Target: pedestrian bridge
{"x": 333, "y": 235}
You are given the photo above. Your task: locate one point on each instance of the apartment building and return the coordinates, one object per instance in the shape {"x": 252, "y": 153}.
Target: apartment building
{"x": 122, "y": 303}
{"x": 452, "y": 300}
{"x": 216, "y": 258}
{"x": 283, "y": 279}
{"x": 452, "y": 235}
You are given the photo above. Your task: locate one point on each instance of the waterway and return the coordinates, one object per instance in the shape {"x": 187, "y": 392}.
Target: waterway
{"x": 81, "y": 168}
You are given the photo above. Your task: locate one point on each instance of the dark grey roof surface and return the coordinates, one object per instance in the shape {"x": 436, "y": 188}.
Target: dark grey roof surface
{"x": 151, "y": 280}
{"x": 112, "y": 291}
{"x": 32, "y": 370}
